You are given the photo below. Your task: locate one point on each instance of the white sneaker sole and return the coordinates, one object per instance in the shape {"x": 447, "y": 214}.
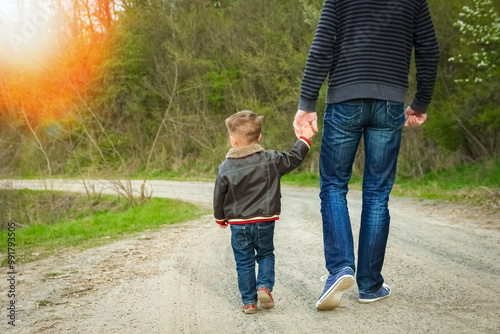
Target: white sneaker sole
{"x": 367, "y": 301}
{"x": 331, "y": 298}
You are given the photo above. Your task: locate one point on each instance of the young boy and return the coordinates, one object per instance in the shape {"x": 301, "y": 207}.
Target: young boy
{"x": 247, "y": 197}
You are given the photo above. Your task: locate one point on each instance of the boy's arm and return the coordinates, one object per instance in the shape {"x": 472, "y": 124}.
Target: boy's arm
{"x": 288, "y": 161}
{"x": 220, "y": 191}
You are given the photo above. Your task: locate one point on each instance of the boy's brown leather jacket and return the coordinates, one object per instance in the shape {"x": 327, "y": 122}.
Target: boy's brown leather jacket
{"x": 247, "y": 188}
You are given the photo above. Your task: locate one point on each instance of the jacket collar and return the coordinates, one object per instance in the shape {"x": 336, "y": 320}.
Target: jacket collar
{"x": 241, "y": 152}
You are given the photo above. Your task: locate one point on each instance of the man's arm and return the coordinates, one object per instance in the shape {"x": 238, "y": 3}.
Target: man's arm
{"x": 426, "y": 59}
{"x": 320, "y": 57}
{"x": 318, "y": 64}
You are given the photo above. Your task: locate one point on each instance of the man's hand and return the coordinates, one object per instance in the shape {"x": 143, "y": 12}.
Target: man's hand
{"x": 304, "y": 118}
{"x": 414, "y": 118}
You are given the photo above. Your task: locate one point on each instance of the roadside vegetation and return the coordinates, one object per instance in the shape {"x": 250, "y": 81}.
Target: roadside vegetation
{"x": 140, "y": 89}
{"x": 143, "y": 87}
{"x": 48, "y": 223}
{"x": 477, "y": 184}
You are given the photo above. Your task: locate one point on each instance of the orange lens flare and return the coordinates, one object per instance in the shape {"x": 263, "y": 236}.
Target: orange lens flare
{"x": 48, "y": 62}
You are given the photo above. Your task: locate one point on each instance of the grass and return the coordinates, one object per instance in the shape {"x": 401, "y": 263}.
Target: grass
{"x": 41, "y": 240}
{"x": 476, "y": 184}
{"x": 80, "y": 223}
{"x": 32, "y": 207}
{"x": 301, "y": 179}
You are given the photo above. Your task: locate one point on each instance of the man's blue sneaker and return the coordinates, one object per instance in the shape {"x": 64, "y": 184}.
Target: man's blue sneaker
{"x": 381, "y": 293}
{"x": 335, "y": 286}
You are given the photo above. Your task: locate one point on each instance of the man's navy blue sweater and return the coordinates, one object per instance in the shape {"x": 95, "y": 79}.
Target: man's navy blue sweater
{"x": 365, "y": 47}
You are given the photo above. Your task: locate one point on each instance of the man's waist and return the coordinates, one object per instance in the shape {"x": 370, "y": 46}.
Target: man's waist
{"x": 365, "y": 91}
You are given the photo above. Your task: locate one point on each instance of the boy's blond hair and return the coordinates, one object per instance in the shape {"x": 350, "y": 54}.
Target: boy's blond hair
{"x": 246, "y": 125}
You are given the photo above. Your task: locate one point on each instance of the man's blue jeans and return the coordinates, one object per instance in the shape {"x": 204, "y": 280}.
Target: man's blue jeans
{"x": 253, "y": 242}
{"x": 380, "y": 123}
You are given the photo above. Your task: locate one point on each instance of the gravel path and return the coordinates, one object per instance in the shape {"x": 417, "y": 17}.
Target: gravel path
{"x": 442, "y": 264}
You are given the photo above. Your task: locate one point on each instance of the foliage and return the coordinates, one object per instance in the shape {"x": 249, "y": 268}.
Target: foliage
{"x": 474, "y": 184}
{"x": 468, "y": 119}
{"x": 480, "y": 34}
{"x": 156, "y": 79}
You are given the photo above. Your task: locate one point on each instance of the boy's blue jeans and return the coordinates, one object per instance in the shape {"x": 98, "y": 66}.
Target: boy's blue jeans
{"x": 380, "y": 123}
{"x": 253, "y": 242}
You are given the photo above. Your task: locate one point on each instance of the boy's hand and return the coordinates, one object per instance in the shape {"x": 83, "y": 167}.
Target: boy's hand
{"x": 307, "y": 131}
{"x": 222, "y": 224}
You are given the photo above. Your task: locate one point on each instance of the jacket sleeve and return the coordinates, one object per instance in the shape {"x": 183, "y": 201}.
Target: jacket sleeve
{"x": 320, "y": 57}
{"x": 220, "y": 191}
{"x": 426, "y": 58}
{"x": 288, "y": 161}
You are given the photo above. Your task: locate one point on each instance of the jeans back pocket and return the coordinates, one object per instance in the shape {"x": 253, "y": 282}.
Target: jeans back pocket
{"x": 395, "y": 116}
{"x": 239, "y": 237}
{"x": 266, "y": 234}
{"x": 345, "y": 114}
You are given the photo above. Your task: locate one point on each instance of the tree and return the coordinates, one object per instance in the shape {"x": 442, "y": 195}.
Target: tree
{"x": 469, "y": 119}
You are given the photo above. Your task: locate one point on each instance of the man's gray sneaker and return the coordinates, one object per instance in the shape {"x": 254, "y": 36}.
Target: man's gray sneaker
{"x": 381, "y": 293}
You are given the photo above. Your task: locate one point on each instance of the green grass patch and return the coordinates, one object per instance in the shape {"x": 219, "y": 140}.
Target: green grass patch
{"x": 33, "y": 206}
{"x": 53, "y": 274}
{"x": 477, "y": 184}
{"x": 463, "y": 176}
{"x": 41, "y": 303}
{"x": 312, "y": 180}
{"x": 301, "y": 179}
{"x": 45, "y": 239}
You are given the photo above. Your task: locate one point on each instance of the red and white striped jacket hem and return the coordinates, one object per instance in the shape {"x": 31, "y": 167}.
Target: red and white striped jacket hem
{"x": 247, "y": 221}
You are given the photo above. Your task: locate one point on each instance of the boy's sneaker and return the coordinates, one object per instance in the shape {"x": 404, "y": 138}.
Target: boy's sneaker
{"x": 381, "y": 293}
{"x": 250, "y": 308}
{"x": 335, "y": 286}
{"x": 265, "y": 298}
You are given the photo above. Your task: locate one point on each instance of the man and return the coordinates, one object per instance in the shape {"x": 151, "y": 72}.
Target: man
{"x": 365, "y": 48}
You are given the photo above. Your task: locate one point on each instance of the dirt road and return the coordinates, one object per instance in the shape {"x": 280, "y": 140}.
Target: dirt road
{"x": 442, "y": 265}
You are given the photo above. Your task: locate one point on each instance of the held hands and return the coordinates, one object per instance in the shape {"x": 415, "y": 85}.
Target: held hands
{"x": 304, "y": 119}
{"x": 414, "y": 118}
{"x": 307, "y": 131}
